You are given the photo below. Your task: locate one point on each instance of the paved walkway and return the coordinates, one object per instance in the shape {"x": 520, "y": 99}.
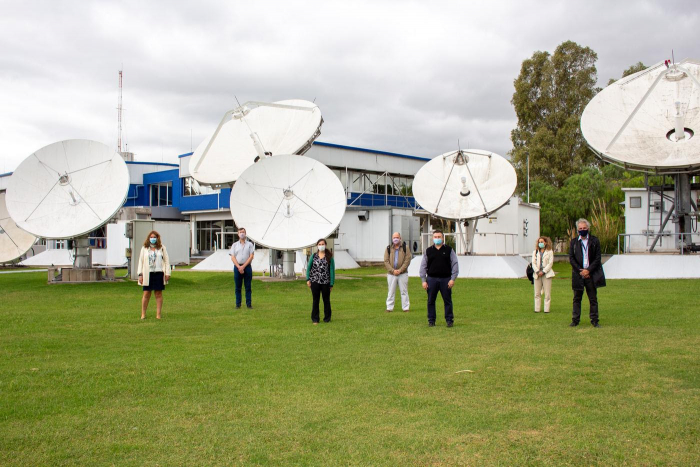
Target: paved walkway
{"x": 15, "y": 271}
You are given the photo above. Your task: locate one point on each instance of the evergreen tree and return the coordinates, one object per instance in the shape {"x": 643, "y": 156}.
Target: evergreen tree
{"x": 550, "y": 95}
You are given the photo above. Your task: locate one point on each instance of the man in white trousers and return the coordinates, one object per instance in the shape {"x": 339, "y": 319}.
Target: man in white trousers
{"x": 396, "y": 260}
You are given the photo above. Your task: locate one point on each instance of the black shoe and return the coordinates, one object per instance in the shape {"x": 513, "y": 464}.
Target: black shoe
{"x": 573, "y": 324}
{"x": 250, "y": 307}
{"x": 450, "y": 324}
{"x": 326, "y": 320}
{"x": 431, "y": 325}
{"x": 238, "y": 307}
{"x": 595, "y": 325}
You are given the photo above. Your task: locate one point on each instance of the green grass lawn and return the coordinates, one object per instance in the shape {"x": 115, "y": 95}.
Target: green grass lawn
{"x": 84, "y": 382}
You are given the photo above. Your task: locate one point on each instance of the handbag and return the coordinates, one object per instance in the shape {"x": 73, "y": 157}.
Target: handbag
{"x": 530, "y": 273}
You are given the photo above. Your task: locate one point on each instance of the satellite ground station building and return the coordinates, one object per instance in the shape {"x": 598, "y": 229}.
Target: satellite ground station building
{"x": 378, "y": 187}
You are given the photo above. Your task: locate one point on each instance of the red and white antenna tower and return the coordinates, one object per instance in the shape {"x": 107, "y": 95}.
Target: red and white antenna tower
{"x": 119, "y": 115}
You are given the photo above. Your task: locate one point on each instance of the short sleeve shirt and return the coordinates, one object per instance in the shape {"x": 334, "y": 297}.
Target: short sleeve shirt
{"x": 242, "y": 251}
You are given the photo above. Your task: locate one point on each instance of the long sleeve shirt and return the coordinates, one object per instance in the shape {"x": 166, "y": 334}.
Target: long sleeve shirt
{"x": 454, "y": 265}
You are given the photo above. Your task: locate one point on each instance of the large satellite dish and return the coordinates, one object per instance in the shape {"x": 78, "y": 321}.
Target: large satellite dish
{"x": 14, "y": 242}
{"x": 464, "y": 184}
{"x": 67, "y": 189}
{"x": 648, "y": 121}
{"x": 252, "y": 131}
{"x": 288, "y": 202}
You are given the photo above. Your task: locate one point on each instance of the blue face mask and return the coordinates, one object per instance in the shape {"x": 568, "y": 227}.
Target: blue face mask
{"x": 583, "y": 233}
{"x": 153, "y": 241}
{"x": 437, "y": 241}
{"x": 541, "y": 245}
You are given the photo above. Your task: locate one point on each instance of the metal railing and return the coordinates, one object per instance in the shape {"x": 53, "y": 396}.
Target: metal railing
{"x": 507, "y": 238}
{"x": 679, "y": 237}
{"x": 96, "y": 243}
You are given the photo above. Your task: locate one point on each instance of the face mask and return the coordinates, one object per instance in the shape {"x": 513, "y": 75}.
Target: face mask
{"x": 583, "y": 233}
{"x": 541, "y": 245}
{"x": 153, "y": 240}
{"x": 396, "y": 240}
{"x": 437, "y": 241}
{"x": 322, "y": 248}
{"x": 241, "y": 235}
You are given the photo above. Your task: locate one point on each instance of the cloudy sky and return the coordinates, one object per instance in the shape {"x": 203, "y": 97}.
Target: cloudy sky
{"x": 403, "y": 76}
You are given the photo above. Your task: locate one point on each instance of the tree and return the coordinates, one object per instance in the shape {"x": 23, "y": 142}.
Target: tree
{"x": 551, "y": 92}
{"x": 639, "y": 66}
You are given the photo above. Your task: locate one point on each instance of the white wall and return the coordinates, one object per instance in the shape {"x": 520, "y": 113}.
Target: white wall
{"x": 136, "y": 171}
{"x": 510, "y": 219}
{"x": 364, "y": 160}
{"x": 117, "y": 243}
{"x": 175, "y": 237}
{"x": 365, "y": 240}
{"x": 636, "y": 222}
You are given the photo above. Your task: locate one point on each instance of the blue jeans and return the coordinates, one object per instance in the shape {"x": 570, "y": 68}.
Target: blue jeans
{"x": 435, "y": 285}
{"x": 238, "y": 279}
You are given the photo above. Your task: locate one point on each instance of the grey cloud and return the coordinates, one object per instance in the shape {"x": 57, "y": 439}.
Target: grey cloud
{"x": 408, "y": 77}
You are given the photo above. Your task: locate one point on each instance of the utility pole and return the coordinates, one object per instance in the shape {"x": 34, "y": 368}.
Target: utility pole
{"x": 119, "y": 115}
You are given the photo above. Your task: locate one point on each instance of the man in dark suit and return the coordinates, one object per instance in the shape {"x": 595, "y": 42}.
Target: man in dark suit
{"x": 587, "y": 271}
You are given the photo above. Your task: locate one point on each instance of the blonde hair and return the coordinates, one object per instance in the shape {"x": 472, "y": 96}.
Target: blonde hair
{"x": 547, "y": 243}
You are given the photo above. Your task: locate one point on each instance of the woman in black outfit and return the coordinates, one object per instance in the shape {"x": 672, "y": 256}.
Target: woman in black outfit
{"x": 320, "y": 276}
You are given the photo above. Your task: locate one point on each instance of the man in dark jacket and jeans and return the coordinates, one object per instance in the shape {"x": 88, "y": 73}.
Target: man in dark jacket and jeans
{"x": 438, "y": 270}
{"x": 587, "y": 271}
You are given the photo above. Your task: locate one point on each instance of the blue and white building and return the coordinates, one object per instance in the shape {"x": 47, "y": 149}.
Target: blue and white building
{"x": 378, "y": 185}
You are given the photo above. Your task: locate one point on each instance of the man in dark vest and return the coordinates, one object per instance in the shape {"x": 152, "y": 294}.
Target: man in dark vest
{"x": 587, "y": 271}
{"x": 438, "y": 271}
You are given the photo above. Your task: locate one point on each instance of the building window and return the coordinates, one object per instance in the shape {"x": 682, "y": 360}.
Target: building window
{"x": 162, "y": 194}
{"x": 207, "y": 235}
{"x": 191, "y": 187}
{"x": 212, "y": 235}
{"x": 359, "y": 182}
{"x": 635, "y": 201}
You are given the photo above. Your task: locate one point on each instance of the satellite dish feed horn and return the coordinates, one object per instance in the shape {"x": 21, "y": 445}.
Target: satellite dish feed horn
{"x": 477, "y": 186}
{"x": 287, "y": 202}
{"x": 258, "y": 146}
{"x": 255, "y": 130}
{"x": 443, "y": 187}
{"x": 465, "y": 190}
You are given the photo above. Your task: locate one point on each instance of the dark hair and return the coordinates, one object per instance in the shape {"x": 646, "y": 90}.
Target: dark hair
{"x": 329, "y": 253}
{"x": 241, "y": 228}
{"x": 147, "y": 243}
{"x": 438, "y": 231}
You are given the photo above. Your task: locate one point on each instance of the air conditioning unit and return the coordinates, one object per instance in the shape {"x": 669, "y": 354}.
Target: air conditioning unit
{"x": 363, "y": 215}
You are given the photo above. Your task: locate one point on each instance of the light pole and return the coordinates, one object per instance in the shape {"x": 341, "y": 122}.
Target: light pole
{"x": 528, "y": 177}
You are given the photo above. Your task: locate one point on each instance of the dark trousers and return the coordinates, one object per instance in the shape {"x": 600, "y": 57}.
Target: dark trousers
{"x": 435, "y": 285}
{"x": 592, "y": 293}
{"x": 239, "y": 279}
{"x": 318, "y": 290}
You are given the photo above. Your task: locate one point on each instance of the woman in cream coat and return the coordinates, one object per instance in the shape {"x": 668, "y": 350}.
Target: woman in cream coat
{"x": 542, "y": 261}
{"x": 154, "y": 272}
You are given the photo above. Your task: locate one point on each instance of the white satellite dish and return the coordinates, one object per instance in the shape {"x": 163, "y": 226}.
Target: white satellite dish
{"x": 252, "y": 131}
{"x": 14, "y": 242}
{"x": 67, "y": 189}
{"x": 288, "y": 202}
{"x": 648, "y": 121}
{"x": 464, "y": 184}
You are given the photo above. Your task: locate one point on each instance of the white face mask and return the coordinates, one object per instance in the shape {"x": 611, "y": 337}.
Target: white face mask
{"x": 241, "y": 235}
{"x": 322, "y": 248}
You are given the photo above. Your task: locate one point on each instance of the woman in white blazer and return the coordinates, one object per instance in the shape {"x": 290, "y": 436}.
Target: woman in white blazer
{"x": 154, "y": 272}
{"x": 542, "y": 261}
